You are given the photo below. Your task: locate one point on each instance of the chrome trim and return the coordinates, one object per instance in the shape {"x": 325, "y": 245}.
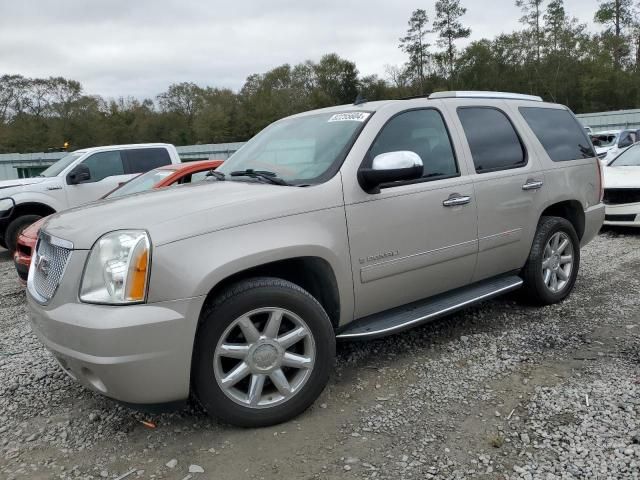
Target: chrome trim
{"x": 437, "y": 313}
{"x": 57, "y": 241}
{"x": 455, "y": 200}
{"x": 533, "y": 185}
{"x": 30, "y": 286}
{"x": 484, "y": 94}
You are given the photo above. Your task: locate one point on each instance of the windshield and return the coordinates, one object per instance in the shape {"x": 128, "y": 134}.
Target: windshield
{"x": 299, "y": 150}
{"x": 55, "y": 169}
{"x": 604, "y": 139}
{"x": 141, "y": 183}
{"x": 629, "y": 158}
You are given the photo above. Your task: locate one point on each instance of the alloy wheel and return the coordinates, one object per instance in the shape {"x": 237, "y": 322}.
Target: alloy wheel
{"x": 557, "y": 262}
{"x": 264, "y": 357}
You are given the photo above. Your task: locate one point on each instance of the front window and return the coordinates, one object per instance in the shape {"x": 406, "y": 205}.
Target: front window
{"x": 300, "y": 150}
{"x": 141, "y": 183}
{"x": 629, "y": 158}
{"x": 55, "y": 169}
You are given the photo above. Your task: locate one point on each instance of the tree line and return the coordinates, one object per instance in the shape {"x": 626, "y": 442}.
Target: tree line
{"x": 552, "y": 55}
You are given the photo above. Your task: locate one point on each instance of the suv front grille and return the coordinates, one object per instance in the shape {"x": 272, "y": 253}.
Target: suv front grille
{"x": 617, "y": 196}
{"x": 49, "y": 262}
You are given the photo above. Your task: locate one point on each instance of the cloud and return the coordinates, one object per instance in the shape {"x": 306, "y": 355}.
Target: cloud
{"x": 139, "y": 47}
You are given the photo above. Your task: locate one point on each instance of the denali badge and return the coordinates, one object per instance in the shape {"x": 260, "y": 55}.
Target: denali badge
{"x": 379, "y": 256}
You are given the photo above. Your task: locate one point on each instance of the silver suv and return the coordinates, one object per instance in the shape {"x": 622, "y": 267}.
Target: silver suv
{"x": 350, "y": 222}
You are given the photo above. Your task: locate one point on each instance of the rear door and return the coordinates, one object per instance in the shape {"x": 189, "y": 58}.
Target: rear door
{"x": 508, "y": 182}
{"x": 107, "y": 172}
{"x": 406, "y": 243}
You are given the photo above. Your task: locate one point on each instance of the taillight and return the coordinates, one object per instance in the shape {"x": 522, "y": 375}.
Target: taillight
{"x": 601, "y": 180}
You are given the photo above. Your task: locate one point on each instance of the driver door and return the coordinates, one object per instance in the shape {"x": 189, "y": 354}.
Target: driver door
{"x": 410, "y": 241}
{"x": 107, "y": 172}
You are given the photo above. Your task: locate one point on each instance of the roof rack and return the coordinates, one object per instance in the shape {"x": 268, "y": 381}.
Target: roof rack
{"x": 481, "y": 94}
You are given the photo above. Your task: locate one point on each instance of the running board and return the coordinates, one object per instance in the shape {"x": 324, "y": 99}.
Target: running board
{"x": 416, "y": 313}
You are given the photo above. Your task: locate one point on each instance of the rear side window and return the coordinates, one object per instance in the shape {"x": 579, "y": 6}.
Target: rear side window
{"x": 559, "y": 132}
{"x": 493, "y": 141}
{"x": 104, "y": 164}
{"x": 145, "y": 159}
{"x": 422, "y": 132}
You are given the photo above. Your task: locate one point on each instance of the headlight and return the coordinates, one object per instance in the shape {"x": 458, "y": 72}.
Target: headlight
{"x": 117, "y": 270}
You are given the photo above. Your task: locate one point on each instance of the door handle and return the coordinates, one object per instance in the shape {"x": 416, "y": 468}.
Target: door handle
{"x": 533, "y": 185}
{"x": 456, "y": 199}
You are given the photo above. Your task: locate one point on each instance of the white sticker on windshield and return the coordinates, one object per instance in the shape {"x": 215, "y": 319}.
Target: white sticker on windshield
{"x": 350, "y": 117}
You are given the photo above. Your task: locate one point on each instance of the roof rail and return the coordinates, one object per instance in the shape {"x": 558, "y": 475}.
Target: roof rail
{"x": 481, "y": 94}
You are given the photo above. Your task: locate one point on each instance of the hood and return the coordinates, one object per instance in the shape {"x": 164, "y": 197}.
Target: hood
{"x": 621, "y": 177}
{"x": 19, "y": 182}
{"x": 180, "y": 212}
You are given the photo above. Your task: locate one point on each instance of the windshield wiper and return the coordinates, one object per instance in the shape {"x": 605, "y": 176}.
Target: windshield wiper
{"x": 217, "y": 175}
{"x": 271, "y": 177}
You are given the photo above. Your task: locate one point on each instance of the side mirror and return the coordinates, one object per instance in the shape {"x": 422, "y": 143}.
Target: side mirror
{"x": 390, "y": 167}
{"x": 6, "y": 207}
{"x": 79, "y": 174}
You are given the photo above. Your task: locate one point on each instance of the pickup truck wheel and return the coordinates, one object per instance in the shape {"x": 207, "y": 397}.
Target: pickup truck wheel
{"x": 552, "y": 268}
{"x": 263, "y": 353}
{"x": 15, "y": 228}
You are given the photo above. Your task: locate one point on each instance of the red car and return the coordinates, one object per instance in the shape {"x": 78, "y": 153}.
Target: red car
{"x": 158, "y": 178}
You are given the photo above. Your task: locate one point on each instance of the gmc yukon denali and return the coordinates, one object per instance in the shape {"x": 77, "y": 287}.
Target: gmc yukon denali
{"x": 350, "y": 222}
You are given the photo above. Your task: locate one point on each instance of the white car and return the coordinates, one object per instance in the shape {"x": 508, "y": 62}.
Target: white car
{"x": 78, "y": 178}
{"x": 622, "y": 189}
{"x": 610, "y": 143}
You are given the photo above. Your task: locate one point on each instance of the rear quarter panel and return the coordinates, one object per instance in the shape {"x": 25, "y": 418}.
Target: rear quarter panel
{"x": 577, "y": 180}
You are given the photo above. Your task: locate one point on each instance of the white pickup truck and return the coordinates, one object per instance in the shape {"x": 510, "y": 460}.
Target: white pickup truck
{"x": 78, "y": 178}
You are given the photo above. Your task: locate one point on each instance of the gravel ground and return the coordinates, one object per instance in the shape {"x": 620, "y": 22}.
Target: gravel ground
{"x": 502, "y": 390}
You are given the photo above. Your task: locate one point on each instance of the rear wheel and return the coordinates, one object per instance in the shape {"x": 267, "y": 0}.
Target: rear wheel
{"x": 552, "y": 268}
{"x": 16, "y": 227}
{"x": 263, "y": 353}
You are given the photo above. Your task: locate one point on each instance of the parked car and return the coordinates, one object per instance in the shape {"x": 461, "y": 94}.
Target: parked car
{"x": 76, "y": 179}
{"x": 350, "y": 222}
{"x": 622, "y": 189}
{"x": 165, "y": 176}
{"x": 610, "y": 143}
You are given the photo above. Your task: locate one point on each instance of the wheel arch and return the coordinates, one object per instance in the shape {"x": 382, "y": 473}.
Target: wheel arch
{"x": 27, "y": 208}
{"x": 570, "y": 210}
{"x": 314, "y": 274}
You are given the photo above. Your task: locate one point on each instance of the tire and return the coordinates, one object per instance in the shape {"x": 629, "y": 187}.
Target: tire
{"x": 2, "y": 244}
{"x": 15, "y": 228}
{"x": 544, "y": 262}
{"x": 260, "y": 300}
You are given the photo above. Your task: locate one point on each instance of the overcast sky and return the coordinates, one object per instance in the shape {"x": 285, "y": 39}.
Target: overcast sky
{"x": 139, "y": 47}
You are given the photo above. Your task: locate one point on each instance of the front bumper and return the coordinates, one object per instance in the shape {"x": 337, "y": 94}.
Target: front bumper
{"x": 138, "y": 354}
{"x": 627, "y": 215}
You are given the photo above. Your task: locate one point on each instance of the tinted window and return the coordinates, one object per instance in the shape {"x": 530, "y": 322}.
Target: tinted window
{"x": 559, "y": 133}
{"x": 494, "y": 143}
{"x": 145, "y": 159}
{"x": 104, "y": 164}
{"x": 422, "y": 132}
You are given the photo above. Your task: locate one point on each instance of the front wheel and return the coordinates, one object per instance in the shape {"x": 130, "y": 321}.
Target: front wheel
{"x": 263, "y": 353}
{"x": 552, "y": 268}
